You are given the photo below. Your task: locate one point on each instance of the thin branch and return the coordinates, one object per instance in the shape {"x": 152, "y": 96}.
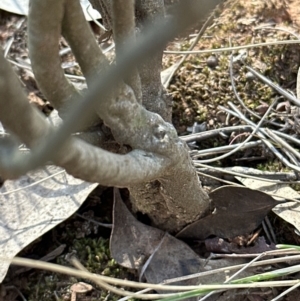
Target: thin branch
{"x": 96, "y": 165}
{"x": 261, "y": 134}
{"x": 224, "y": 149}
{"x": 124, "y": 35}
{"x": 233, "y": 48}
{"x": 239, "y": 98}
{"x": 276, "y": 87}
{"x": 77, "y": 157}
{"x": 176, "y": 66}
{"x": 49, "y": 148}
{"x": 228, "y": 171}
{"x": 44, "y": 29}
{"x": 281, "y": 142}
{"x": 82, "y": 41}
{"x": 155, "y": 98}
{"x": 87, "y": 52}
{"x": 241, "y": 145}
{"x": 74, "y": 272}
{"x": 16, "y": 114}
{"x": 134, "y": 54}
{"x": 216, "y": 132}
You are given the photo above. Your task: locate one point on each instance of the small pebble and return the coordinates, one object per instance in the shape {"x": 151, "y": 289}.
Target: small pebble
{"x": 212, "y": 61}
{"x": 249, "y": 76}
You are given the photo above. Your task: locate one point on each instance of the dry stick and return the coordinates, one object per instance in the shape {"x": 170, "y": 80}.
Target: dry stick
{"x": 279, "y": 29}
{"x": 290, "y": 156}
{"x": 263, "y": 132}
{"x": 233, "y": 48}
{"x": 148, "y": 261}
{"x": 272, "y": 233}
{"x": 298, "y": 83}
{"x": 286, "y": 292}
{"x": 12, "y": 287}
{"x": 32, "y": 184}
{"x": 277, "y": 88}
{"x": 287, "y": 137}
{"x": 256, "y": 128}
{"x": 239, "y": 98}
{"x": 235, "y": 275}
{"x": 239, "y": 185}
{"x": 69, "y": 271}
{"x": 249, "y": 255}
{"x": 179, "y": 63}
{"x": 209, "y": 134}
{"x": 283, "y": 177}
{"x": 95, "y": 222}
{"x": 222, "y": 170}
{"x": 82, "y": 274}
{"x": 207, "y": 273}
{"x": 295, "y": 35}
{"x": 281, "y": 142}
{"x": 224, "y": 149}
{"x": 261, "y": 135}
{"x": 50, "y": 256}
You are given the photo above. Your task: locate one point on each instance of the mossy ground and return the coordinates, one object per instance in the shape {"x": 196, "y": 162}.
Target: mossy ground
{"x": 198, "y": 89}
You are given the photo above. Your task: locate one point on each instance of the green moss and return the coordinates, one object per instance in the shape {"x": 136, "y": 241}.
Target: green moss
{"x": 94, "y": 254}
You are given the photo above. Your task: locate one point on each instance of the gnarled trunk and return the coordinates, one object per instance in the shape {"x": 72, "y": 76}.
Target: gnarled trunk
{"x": 127, "y": 97}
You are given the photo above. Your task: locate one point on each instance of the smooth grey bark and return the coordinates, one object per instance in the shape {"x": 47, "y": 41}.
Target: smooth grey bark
{"x": 158, "y": 171}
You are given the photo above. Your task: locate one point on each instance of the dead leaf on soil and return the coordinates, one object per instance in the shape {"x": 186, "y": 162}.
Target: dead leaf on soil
{"x": 289, "y": 211}
{"x": 157, "y": 254}
{"x": 238, "y": 211}
{"x": 34, "y": 204}
{"x": 131, "y": 242}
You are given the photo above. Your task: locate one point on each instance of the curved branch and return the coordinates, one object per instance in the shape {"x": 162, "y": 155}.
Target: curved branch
{"x": 80, "y": 112}
{"x": 92, "y": 164}
{"x": 124, "y": 35}
{"x": 155, "y": 97}
{"x": 82, "y": 41}
{"x": 16, "y": 114}
{"x": 44, "y": 29}
{"x": 79, "y": 158}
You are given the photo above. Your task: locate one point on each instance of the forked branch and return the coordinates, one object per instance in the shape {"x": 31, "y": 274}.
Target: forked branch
{"x": 80, "y": 159}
